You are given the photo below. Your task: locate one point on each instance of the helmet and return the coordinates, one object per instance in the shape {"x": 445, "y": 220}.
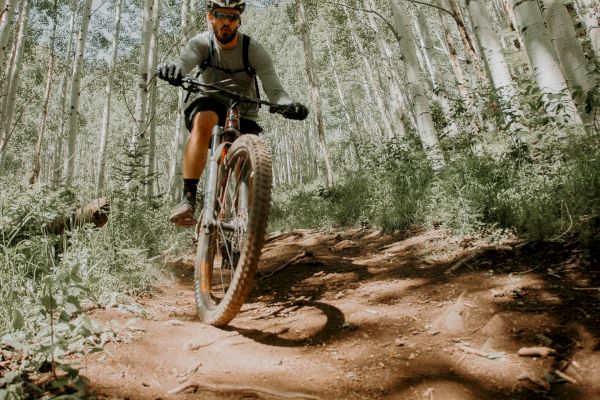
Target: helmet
{"x": 234, "y": 4}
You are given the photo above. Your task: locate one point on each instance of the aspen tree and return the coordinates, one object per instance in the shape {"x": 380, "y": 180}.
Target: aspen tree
{"x": 580, "y": 79}
{"x": 107, "y": 99}
{"x": 496, "y": 63}
{"x": 176, "y": 164}
{"x": 10, "y": 85}
{"x": 546, "y": 69}
{"x": 432, "y": 64}
{"x": 370, "y": 75}
{"x": 315, "y": 94}
{"x": 35, "y": 168}
{"x": 60, "y": 137}
{"x": 69, "y": 162}
{"x": 419, "y": 99}
{"x": 141, "y": 98}
{"x": 152, "y": 60}
{"x": 6, "y": 24}
{"x": 590, "y": 13}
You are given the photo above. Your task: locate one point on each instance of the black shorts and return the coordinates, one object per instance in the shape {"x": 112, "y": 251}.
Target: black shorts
{"x": 211, "y": 104}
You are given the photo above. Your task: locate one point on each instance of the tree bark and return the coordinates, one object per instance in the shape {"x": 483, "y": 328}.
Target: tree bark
{"x": 546, "y": 69}
{"x": 140, "y": 126}
{"x": 420, "y": 101}
{"x": 580, "y": 79}
{"x": 496, "y": 63}
{"x": 35, "y": 168}
{"x": 60, "y": 138}
{"x": 100, "y": 173}
{"x": 590, "y": 12}
{"x": 384, "y": 116}
{"x": 152, "y": 91}
{"x": 315, "y": 94}
{"x": 176, "y": 164}
{"x": 69, "y": 162}
{"x": 12, "y": 83}
{"x": 6, "y": 24}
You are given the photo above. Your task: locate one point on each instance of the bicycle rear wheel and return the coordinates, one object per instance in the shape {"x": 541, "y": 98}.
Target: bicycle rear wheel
{"x": 228, "y": 252}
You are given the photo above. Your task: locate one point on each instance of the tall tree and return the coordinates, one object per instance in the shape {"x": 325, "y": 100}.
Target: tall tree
{"x": 6, "y": 23}
{"x": 315, "y": 93}
{"x": 10, "y": 85}
{"x": 151, "y": 113}
{"x": 580, "y": 78}
{"x": 107, "y": 99}
{"x": 495, "y": 62}
{"x": 425, "y": 127}
{"x": 140, "y": 126}
{"x": 69, "y": 161}
{"x": 35, "y": 168}
{"x": 590, "y": 14}
{"x": 175, "y": 166}
{"x": 546, "y": 69}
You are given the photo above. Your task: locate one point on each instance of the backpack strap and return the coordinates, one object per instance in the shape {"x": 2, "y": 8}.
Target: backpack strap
{"x": 246, "y": 59}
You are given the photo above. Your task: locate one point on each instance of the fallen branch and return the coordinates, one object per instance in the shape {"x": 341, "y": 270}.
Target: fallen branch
{"x": 492, "y": 355}
{"x": 474, "y": 255}
{"x": 565, "y": 377}
{"x": 243, "y": 391}
{"x": 285, "y": 265}
{"x": 536, "y": 352}
{"x": 586, "y": 288}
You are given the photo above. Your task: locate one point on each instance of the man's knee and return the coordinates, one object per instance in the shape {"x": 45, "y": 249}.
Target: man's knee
{"x": 203, "y": 123}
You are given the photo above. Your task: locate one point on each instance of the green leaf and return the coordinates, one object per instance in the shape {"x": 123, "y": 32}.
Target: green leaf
{"x": 18, "y": 322}
{"x": 74, "y": 301}
{"x": 48, "y": 302}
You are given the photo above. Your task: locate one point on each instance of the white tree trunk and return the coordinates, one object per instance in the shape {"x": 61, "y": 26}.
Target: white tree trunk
{"x": 100, "y": 173}
{"x": 590, "y": 13}
{"x": 496, "y": 63}
{"x": 419, "y": 98}
{"x": 6, "y": 24}
{"x": 12, "y": 83}
{"x": 546, "y": 69}
{"x": 315, "y": 94}
{"x": 579, "y": 77}
{"x": 60, "y": 137}
{"x": 384, "y": 115}
{"x": 151, "y": 113}
{"x": 69, "y": 162}
{"x": 176, "y": 164}
{"x": 140, "y": 127}
{"x": 431, "y": 62}
{"x": 35, "y": 168}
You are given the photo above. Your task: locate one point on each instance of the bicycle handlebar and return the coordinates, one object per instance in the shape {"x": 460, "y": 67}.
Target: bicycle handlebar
{"x": 193, "y": 85}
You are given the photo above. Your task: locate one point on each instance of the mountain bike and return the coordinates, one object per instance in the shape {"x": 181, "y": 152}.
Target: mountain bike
{"x": 230, "y": 232}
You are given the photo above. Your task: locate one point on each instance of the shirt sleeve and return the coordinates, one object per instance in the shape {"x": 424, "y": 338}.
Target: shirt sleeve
{"x": 262, "y": 63}
{"x": 194, "y": 52}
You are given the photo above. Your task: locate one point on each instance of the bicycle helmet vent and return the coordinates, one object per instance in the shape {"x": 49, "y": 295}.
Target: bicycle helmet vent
{"x": 234, "y": 4}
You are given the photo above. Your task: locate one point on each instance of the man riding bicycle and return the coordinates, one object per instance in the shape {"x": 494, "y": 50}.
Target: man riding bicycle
{"x": 222, "y": 53}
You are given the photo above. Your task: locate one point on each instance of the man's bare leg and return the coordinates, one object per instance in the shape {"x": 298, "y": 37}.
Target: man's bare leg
{"x": 194, "y": 161}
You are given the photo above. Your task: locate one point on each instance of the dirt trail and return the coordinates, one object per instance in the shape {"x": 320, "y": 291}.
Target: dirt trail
{"x": 357, "y": 314}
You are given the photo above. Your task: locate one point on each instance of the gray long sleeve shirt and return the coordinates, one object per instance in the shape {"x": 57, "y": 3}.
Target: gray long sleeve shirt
{"x": 197, "y": 50}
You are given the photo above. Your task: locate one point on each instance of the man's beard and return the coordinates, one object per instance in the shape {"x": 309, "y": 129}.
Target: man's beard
{"x": 225, "y": 38}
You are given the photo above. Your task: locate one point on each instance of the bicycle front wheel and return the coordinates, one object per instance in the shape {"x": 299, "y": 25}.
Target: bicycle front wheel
{"x": 229, "y": 249}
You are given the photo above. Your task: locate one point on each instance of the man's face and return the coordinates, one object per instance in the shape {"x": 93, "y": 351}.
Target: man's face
{"x": 225, "y": 23}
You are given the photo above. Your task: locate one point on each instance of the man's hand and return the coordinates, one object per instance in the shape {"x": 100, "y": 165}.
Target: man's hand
{"x": 170, "y": 72}
{"x": 295, "y": 111}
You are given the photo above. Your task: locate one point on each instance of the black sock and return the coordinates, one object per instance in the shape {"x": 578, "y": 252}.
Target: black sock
{"x": 190, "y": 187}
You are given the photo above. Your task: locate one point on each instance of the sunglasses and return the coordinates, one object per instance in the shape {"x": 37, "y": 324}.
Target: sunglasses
{"x": 224, "y": 15}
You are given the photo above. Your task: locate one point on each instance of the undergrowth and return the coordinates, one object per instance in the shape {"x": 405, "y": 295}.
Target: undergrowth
{"x": 541, "y": 190}
{"x": 49, "y": 280}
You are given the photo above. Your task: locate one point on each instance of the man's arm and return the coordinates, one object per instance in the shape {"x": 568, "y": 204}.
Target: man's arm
{"x": 194, "y": 52}
{"x": 261, "y": 61}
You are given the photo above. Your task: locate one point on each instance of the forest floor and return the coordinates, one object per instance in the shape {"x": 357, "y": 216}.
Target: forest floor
{"x": 357, "y": 314}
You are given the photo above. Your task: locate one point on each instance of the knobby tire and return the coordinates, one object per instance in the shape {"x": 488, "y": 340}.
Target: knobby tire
{"x": 249, "y": 158}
